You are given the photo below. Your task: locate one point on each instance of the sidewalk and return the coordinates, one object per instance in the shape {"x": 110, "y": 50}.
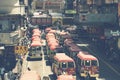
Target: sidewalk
{"x": 17, "y": 68}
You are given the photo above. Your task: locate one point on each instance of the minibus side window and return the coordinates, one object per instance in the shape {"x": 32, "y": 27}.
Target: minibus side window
{"x": 82, "y": 62}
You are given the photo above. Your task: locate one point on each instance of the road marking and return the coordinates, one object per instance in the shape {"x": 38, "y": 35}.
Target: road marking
{"x": 100, "y": 79}
{"x": 83, "y": 45}
{"x": 43, "y": 61}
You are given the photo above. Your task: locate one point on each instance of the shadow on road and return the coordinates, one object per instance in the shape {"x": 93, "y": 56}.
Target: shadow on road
{"x": 52, "y": 77}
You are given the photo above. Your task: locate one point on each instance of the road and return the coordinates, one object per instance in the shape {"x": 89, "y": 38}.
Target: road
{"x": 41, "y": 66}
{"x": 107, "y": 71}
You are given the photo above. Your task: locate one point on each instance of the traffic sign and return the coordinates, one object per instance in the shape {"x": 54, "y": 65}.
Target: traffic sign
{"x": 21, "y": 49}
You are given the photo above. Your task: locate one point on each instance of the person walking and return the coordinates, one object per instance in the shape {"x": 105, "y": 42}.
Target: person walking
{"x": 28, "y": 69}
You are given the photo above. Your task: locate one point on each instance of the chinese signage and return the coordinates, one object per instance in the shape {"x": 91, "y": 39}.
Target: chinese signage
{"x": 21, "y": 49}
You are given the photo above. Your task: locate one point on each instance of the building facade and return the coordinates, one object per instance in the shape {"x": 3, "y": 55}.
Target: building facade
{"x": 12, "y": 7}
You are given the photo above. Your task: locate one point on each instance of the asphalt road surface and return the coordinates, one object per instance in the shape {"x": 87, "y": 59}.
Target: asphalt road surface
{"x": 107, "y": 70}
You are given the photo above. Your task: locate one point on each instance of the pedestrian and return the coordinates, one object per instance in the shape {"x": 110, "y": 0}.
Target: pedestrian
{"x": 29, "y": 69}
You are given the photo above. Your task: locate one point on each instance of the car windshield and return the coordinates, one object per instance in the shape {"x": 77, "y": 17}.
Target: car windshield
{"x": 94, "y": 63}
{"x": 64, "y": 65}
{"x": 59, "y": 50}
{"x": 70, "y": 64}
{"x": 35, "y": 49}
{"x": 87, "y": 63}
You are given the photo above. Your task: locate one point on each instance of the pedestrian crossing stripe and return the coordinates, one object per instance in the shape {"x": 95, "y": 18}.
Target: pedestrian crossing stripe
{"x": 21, "y": 49}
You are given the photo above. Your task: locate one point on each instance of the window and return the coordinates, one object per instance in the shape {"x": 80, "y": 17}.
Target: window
{"x": 64, "y": 65}
{"x": 59, "y": 50}
{"x": 0, "y": 27}
{"x": 82, "y": 62}
{"x": 38, "y": 20}
{"x": 21, "y": 2}
{"x": 13, "y": 26}
{"x": 33, "y": 20}
{"x": 52, "y": 53}
{"x": 87, "y": 63}
{"x": 35, "y": 50}
{"x": 44, "y": 20}
{"x": 49, "y": 20}
{"x": 70, "y": 65}
{"x": 94, "y": 63}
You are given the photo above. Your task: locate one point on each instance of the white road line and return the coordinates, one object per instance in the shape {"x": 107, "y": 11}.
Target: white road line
{"x": 43, "y": 60}
{"x": 83, "y": 45}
